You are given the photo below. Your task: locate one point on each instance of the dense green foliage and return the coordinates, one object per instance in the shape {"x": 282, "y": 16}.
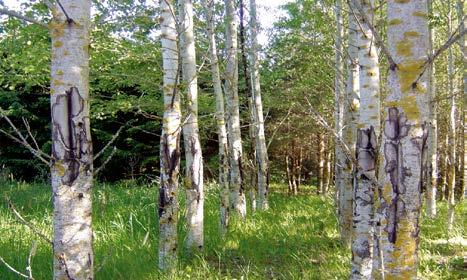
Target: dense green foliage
{"x": 296, "y": 239}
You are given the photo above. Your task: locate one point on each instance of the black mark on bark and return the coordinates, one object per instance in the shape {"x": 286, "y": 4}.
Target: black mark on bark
{"x": 71, "y": 136}
{"x": 396, "y": 128}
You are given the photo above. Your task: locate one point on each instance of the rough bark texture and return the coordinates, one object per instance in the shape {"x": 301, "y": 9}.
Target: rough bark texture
{"x": 72, "y": 155}
{"x": 452, "y": 130}
{"x": 170, "y": 140}
{"x": 343, "y": 191}
{"x": 194, "y": 186}
{"x": 431, "y": 157}
{"x": 237, "y": 191}
{"x": 406, "y": 115}
{"x": 220, "y": 118}
{"x": 366, "y": 148}
{"x": 261, "y": 148}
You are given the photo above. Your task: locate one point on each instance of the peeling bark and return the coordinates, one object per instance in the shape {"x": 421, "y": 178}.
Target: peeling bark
{"x": 72, "y": 155}
{"x": 170, "y": 141}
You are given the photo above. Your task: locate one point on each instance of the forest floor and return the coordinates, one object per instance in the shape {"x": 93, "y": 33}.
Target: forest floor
{"x": 296, "y": 239}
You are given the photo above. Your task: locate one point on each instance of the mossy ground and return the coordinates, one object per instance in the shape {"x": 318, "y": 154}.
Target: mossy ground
{"x": 296, "y": 239}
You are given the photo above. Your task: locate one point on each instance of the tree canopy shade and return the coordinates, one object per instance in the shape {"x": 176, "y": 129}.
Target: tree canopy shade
{"x": 355, "y": 103}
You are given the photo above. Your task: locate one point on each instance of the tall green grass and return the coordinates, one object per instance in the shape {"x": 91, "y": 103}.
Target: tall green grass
{"x": 296, "y": 239}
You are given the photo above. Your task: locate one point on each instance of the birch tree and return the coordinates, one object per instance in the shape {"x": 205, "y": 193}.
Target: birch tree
{"x": 261, "y": 149}
{"x": 220, "y": 117}
{"x": 237, "y": 191}
{"x": 344, "y": 191}
{"x": 432, "y": 155}
{"x": 72, "y": 155}
{"x": 451, "y": 173}
{"x": 193, "y": 156}
{"x": 349, "y": 129}
{"x": 366, "y": 146}
{"x": 170, "y": 139}
{"x": 406, "y": 115}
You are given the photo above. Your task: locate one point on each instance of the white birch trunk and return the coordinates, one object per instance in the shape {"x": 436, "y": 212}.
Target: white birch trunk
{"x": 194, "y": 187}
{"x": 220, "y": 118}
{"x": 463, "y": 45}
{"x": 261, "y": 148}
{"x": 237, "y": 191}
{"x": 72, "y": 155}
{"x": 432, "y": 163}
{"x": 343, "y": 190}
{"x": 406, "y": 113}
{"x": 366, "y": 147}
{"x": 451, "y": 131}
{"x": 170, "y": 140}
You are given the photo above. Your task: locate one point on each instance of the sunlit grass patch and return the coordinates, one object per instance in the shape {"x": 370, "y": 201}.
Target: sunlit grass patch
{"x": 296, "y": 239}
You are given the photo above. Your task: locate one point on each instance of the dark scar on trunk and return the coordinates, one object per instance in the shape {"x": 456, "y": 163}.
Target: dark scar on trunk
{"x": 170, "y": 164}
{"x": 73, "y": 135}
{"x": 395, "y": 129}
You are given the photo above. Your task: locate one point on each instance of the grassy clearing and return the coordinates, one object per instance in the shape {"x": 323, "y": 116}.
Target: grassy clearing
{"x": 296, "y": 239}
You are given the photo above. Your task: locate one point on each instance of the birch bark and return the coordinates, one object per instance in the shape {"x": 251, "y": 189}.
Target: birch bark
{"x": 170, "y": 140}
{"x": 343, "y": 190}
{"x": 406, "y": 114}
{"x": 432, "y": 163}
{"x": 237, "y": 191}
{"x": 194, "y": 186}
{"x": 451, "y": 131}
{"x": 220, "y": 118}
{"x": 261, "y": 148}
{"x": 366, "y": 147}
{"x": 72, "y": 155}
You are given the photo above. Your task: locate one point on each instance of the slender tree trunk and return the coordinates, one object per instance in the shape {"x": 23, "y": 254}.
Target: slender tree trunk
{"x": 327, "y": 184}
{"x": 261, "y": 148}
{"x": 289, "y": 174}
{"x": 366, "y": 148}
{"x": 249, "y": 95}
{"x": 432, "y": 164}
{"x": 343, "y": 190}
{"x": 194, "y": 186}
{"x": 444, "y": 178}
{"x": 462, "y": 155}
{"x": 320, "y": 165}
{"x": 406, "y": 112}
{"x": 451, "y": 131}
{"x": 220, "y": 118}
{"x": 299, "y": 168}
{"x": 170, "y": 140}
{"x": 237, "y": 191}
{"x": 72, "y": 157}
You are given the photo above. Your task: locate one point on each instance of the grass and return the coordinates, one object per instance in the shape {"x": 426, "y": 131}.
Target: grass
{"x": 296, "y": 239}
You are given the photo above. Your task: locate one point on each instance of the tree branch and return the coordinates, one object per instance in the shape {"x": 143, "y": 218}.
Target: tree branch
{"x": 379, "y": 41}
{"x": 21, "y": 17}
{"x": 26, "y": 223}
{"x": 106, "y": 161}
{"x": 12, "y": 269}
